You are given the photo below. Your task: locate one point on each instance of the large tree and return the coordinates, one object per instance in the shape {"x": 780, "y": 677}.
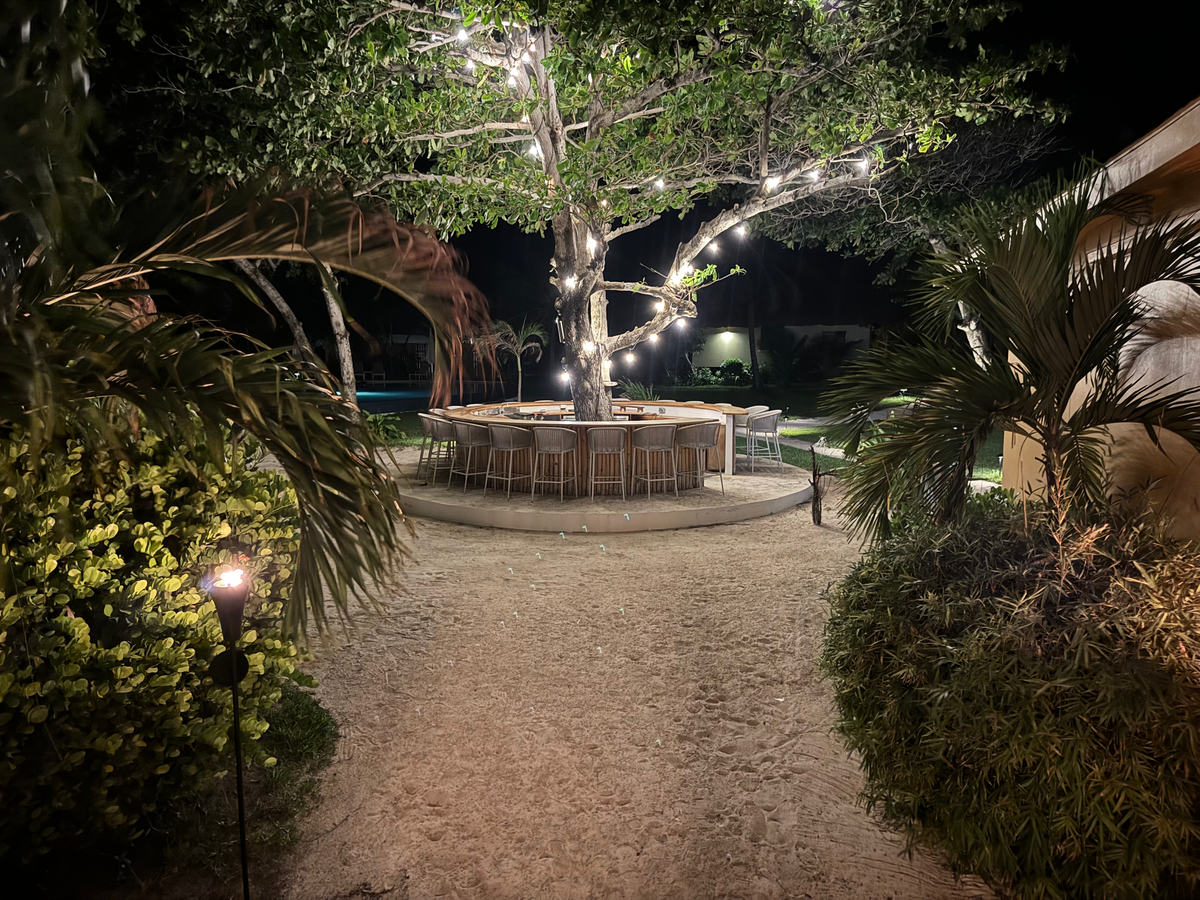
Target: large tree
{"x": 592, "y": 120}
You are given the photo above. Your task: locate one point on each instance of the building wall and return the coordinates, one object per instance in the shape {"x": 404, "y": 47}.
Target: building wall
{"x": 734, "y": 343}
{"x": 1163, "y": 170}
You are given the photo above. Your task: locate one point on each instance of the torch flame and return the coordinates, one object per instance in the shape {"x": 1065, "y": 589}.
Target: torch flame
{"x": 229, "y": 578}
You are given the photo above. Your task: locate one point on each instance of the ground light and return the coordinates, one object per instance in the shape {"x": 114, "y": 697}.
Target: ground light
{"x": 229, "y": 591}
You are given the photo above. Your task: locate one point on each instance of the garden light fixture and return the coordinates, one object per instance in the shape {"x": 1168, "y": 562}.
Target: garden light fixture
{"x": 229, "y": 591}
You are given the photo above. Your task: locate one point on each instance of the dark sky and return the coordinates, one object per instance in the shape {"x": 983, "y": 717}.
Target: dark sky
{"x": 1131, "y": 68}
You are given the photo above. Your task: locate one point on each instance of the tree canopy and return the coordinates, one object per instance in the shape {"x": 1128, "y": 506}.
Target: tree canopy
{"x": 593, "y": 120}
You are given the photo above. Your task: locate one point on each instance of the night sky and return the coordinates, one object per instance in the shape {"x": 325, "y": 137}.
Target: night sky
{"x": 1127, "y": 75}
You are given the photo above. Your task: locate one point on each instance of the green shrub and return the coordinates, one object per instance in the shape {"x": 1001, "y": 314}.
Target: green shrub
{"x": 733, "y": 373}
{"x": 106, "y": 709}
{"x": 1025, "y": 699}
{"x": 387, "y": 429}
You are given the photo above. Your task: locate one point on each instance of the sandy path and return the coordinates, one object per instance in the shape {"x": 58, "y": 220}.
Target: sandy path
{"x": 640, "y": 721}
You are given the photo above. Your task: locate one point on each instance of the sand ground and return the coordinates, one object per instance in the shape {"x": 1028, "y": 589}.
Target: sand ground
{"x": 600, "y": 716}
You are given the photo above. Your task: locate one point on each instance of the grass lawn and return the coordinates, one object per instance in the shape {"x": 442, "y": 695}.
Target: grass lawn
{"x": 987, "y": 461}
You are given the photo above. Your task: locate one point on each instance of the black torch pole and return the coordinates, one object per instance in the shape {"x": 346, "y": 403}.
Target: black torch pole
{"x": 237, "y": 755}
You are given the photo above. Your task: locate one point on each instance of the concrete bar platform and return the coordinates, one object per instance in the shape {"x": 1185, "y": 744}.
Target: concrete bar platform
{"x": 747, "y": 496}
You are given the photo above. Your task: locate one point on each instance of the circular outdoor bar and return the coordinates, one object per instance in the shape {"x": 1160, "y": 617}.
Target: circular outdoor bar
{"x": 601, "y": 463}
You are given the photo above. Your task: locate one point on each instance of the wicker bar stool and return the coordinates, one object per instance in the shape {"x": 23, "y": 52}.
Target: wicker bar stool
{"x": 700, "y": 438}
{"x": 548, "y": 441}
{"x": 606, "y": 442}
{"x": 509, "y": 440}
{"x": 652, "y": 440}
{"x": 427, "y": 443}
{"x": 762, "y": 437}
{"x": 469, "y": 437}
{"x": 441, "y": 450}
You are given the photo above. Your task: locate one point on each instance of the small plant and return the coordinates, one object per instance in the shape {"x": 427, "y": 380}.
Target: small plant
{"x": 386, "y": 428}
{"x": 635, "y": 390}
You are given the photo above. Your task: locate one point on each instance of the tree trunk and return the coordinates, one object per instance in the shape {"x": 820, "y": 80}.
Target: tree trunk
{"x": 753, "y": 346}
{"x": 341, "y": 338}
{"x": 583, "y": 317}
{"x": 518, "y": 377}
{"x": 975, "y": 335}
{"x": 255, "y": 274}
{"x": 970, "y": 325}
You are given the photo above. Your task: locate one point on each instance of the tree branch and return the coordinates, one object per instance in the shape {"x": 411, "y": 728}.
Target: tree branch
{"x": 610, "y": 236}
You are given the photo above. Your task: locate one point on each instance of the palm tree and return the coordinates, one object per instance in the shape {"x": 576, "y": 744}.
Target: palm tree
{"x": 528, "y": 339}
{"x": 80, "y": 339}
{"x": 1059, "y": 313}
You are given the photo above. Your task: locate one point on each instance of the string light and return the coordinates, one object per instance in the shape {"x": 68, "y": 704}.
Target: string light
{"x": 865, "y": 165}
{"x": 660, "y": 184}
{"x": 741, "y": 230}
{"x": 591, "y": 244}
{"x": 589, "y": 346}
{"x": 772, "y": 183}
{"x": 570, "y": 281}
{"x": 463, "y": 36}
{"x": 714, "y": 247}
{"x": 525, "y": 57}
{"x": 658, "y": 307}
{"x": 681, "y": 322}
{"x": 630, "y": 358}
{"x": 815, "y": 174}
{"x": 604, "y": 203}
{"x": 654, "y": 338}
{"x": 565, "y": 376}
{"x": 512, "y": 80}
{"x": 535, "y": 151}
{"x": 470, "y": 65}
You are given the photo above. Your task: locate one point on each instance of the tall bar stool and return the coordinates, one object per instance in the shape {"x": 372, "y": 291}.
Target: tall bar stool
{"x": 469, "y": 437}
{"x": 739, "y": 426}
{"x": 655, "y": 440}
{"x": 548, "y": 441}
{"x": 700, "y": 438}
{"x": 510, "y": 440}
{"x": 441, "y": 450}
{"x": 606, "y": 441}
{"x": 427, "y": 444}
{"x": 762, "y": 437}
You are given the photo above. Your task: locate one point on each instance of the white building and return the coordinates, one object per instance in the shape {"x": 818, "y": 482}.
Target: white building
{"x": 734, "y": 343}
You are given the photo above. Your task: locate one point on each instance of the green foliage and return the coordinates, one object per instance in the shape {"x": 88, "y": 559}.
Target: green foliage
{"x": 107, "y": 713}
{"x": 80, "y": 270}
{"x": 733, "y": 372}
{"x": 386, "y": 428}
{"x": 1025, "y": 700}
{"x": 635, "y": 390}
{"x": 1062, "y": 326}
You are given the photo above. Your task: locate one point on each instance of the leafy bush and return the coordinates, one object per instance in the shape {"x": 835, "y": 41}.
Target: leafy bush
{"x": 1026, "y": 699}
{"x": 733, "y": 373}
{"x": 701, "y": 376}
{"x": 106, "y": 709}
{"x": 386, "y": 428}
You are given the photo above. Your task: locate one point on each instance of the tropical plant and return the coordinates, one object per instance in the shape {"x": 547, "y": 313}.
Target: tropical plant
{"x": 1023, "y": 696}
{"x": 587, "y": 119}
{"x": 85, "y": 346}
{"x": 528, "y": 339}
{"x": 635, "y": 390}
{"x": 1060, "y": 308}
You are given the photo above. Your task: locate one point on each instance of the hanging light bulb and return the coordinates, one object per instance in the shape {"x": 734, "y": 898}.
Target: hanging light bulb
{"x": 470, "y": 64}
{"x": 741, "y": 230}
{"x": 570, "y": 281}
{"x": 463, "y": 37}
{"x": 658, "y": 307}
{"x": 771, "y": 183}
{"x": 714, "y": 247}
{"x": 589, "y": 346}
{"x": 654, "y": 338}
{"x": 604, "y": 203}
{"x": 591, "y": 245}
{"x": 630, "y": 358}
{"x": 681, "y": 322}
{"x": 660, "y": 184}
{"x": 565, "y": 376}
